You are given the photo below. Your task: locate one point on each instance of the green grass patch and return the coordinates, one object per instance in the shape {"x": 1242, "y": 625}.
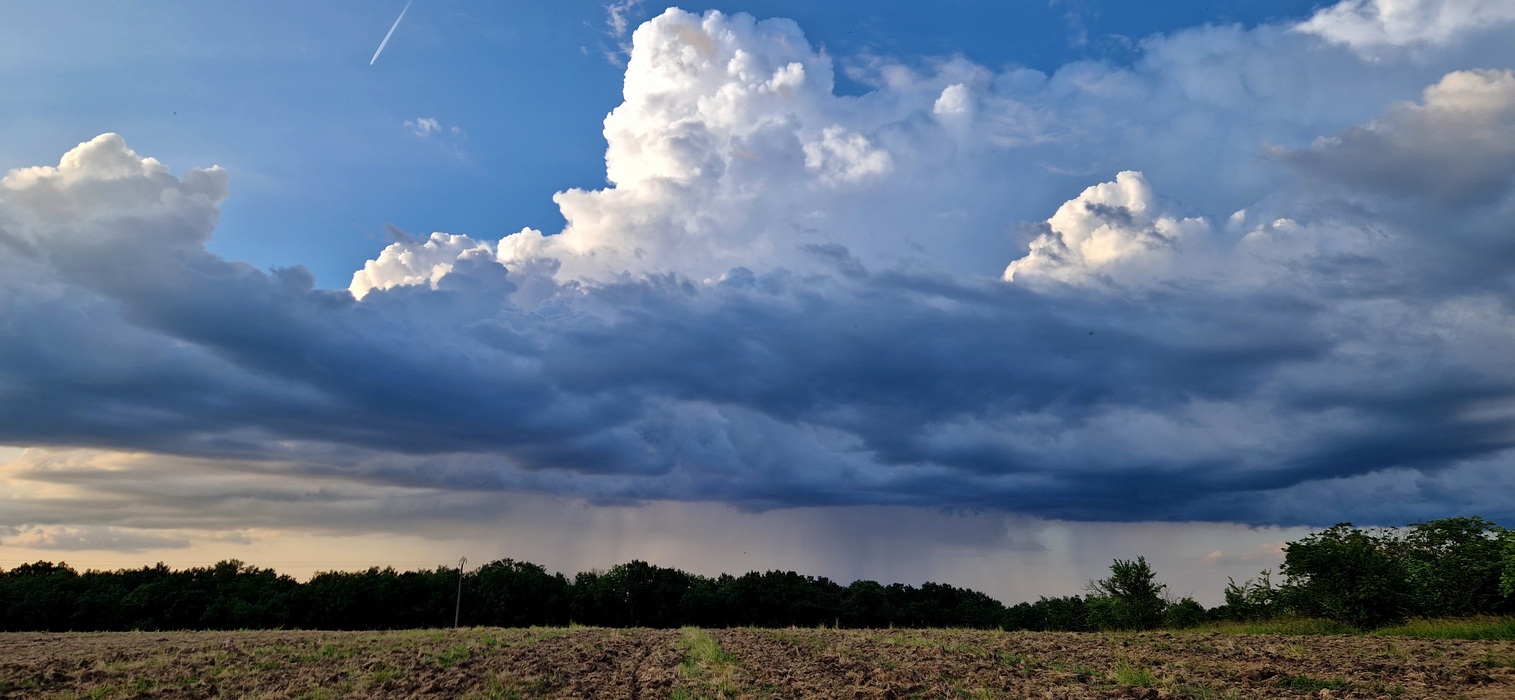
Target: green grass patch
{"x": 965, "y": 693}
{"x": 452, "y": 656}
{"x": 1084, "y": 674}
{"x": 1472, "y": 628}
{"x": 1008, "y": 659}
{"x": 1309, "y": 684}
{"x": 499, "y": 687}
{"x": 318, "y": 694}
{"x": 969, "y": 649}
{"x": 1476, "y": 628}
{"x": 1197, "y": 692}
{"x": 383, "y": 674}
{"x": 1127, "y": 673}
{"x": 1298, "y": 626}
{"x": 326, "y": 652}
{"x": 9, "y": 686}
{"x": 1498, "y": 661}
{"x": 703, "y": 648}
{"x": 708, "y": 671}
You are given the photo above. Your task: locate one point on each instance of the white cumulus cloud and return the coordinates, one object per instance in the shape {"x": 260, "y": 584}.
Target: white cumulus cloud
{"x": 1371, "y": 25}
{"x": 1455, "y": 146}
{"x": 1108, "y": 225}
{"x": 426, "y": 262}
{"x": 423, "y": 126}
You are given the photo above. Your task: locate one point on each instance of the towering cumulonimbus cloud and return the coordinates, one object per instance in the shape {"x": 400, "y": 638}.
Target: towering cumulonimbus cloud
{"x": 1255, "y": 275}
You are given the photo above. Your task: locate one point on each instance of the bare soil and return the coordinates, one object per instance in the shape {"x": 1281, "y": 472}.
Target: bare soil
{"x": 788, "y": 663}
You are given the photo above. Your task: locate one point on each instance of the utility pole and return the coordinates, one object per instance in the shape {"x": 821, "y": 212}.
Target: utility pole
{"x": 458, "y": 611}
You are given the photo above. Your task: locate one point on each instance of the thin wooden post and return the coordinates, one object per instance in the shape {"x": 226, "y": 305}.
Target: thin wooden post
{"x": 457, "y": 612}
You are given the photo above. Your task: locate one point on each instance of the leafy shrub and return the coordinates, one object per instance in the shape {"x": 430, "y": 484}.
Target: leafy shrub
{"x": 1185, "y": 612}
{"x": 1131, "y": 599}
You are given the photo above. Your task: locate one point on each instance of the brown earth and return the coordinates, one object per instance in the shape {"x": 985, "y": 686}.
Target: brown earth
{"x": 745, "y": 663}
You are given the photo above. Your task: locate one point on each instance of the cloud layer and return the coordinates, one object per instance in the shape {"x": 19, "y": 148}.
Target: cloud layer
{"x": 1261, "y": 275}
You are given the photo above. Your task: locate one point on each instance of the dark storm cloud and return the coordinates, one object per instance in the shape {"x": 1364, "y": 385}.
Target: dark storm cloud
{"x": 1139, "y": 364}
{"x": 770, "y": 390}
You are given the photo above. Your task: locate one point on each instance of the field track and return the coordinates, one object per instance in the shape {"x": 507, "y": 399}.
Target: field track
{"x": 686, "y": 664}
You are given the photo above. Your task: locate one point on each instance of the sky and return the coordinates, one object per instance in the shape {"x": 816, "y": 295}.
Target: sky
{"x": 979, "y": 293}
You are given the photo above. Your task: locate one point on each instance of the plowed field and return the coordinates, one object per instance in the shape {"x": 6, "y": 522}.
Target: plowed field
{"x": 745, "y": 663}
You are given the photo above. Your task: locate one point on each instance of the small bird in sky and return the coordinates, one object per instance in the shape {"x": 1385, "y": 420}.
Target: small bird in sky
{"x": 391, "y": 33}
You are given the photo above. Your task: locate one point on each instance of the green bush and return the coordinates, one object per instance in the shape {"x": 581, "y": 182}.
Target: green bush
{"x": 1256, "y": 599}
{"x": 1185, "y": 612}
{"x": 1131, "y": 599}
{"x": 1347, "y": 575}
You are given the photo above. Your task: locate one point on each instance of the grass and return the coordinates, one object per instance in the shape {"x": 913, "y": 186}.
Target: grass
{"x": 708, "y": 671}
{"x": 10, "y": 686}
{"x": 1471, "y": 628}
{"x": 1295, "y": 626}
{"x": 1127, "y": 673}
{"x": 966, "y": 693}
{"x": 1309, "y": 684}
{"x": 812, "y": 642}
{"x": 384, "y": 674}
{"x": 1015, "y": 660}
{"x": 703, "y": 648}
{"x": 318, "y": 694}
{"x": 1081, "y": 672}
{"x": 1498, "y": 661}
{"x": 499, "y": 687}
{"x": 1476, "y": 628}
{"x": 328, "y": 651}
{"x": 1197, "y": 692}
{"x": 452, "y": 656}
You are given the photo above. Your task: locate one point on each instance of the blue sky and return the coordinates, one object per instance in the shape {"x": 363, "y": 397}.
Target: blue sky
{"x": 281, "y": 94}
{"x": 986, "y": 293}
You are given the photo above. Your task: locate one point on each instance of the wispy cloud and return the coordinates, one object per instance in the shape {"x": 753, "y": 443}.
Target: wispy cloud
{"x": 93, "y": 538}
{"x": 450, "y": 137}
{"x": 618, "y": 16}
{"x": 424, "y": 126}
{"x": 618, "y": 20}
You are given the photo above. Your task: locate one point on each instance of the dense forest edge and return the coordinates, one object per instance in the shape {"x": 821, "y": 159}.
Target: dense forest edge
{"x": 1345, "y": 578}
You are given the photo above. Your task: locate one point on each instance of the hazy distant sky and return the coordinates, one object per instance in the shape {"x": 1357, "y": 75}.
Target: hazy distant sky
{"x": 983, "y": 293}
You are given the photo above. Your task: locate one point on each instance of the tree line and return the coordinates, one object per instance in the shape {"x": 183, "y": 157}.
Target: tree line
{"x": 1363, "y": 577}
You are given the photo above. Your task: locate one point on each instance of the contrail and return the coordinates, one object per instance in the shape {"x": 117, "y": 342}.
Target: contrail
{"x": 390, "y": 34}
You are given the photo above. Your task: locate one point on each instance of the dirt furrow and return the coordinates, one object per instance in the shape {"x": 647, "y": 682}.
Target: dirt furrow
{"x": 746, "y": 663}
{"x": 805, "y": 664}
